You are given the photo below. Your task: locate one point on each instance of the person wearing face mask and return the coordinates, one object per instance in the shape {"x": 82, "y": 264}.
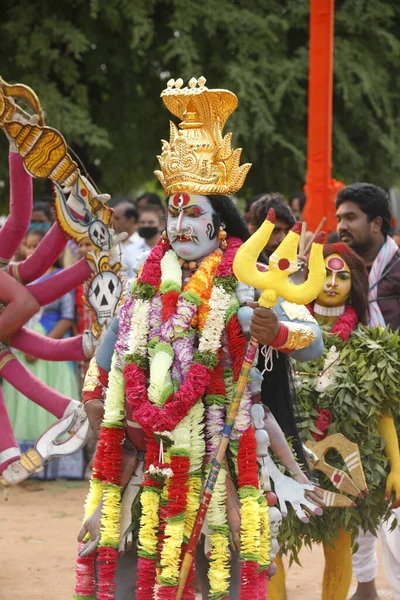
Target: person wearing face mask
{"x": 150, "y": 225}
{"x": 42, "y": 216}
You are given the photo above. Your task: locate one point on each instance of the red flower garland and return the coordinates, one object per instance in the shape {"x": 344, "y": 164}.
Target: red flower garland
{"x": 151, "y": 272}
{"x": 178, "y": 485}
{"x": 145, "y": 578}
{"x": 237, "y": 345}
{"x": 85, "y": 582}
{"x": 150, "y": 417}
{"x": 217, "y": 387}
{"x": 169, "y": 301}
{"x": 247, "y": 459}
{"x": 113, "y": 453}
{"x": 248, "y": 476}
{"x": 146, "y": 568}
{"x": 225, "y": 267}
{"x": 248, "y": 580}
{"x": 176, "y": 505}
{"x": 106, "y": 569}
{"x": 345, "y": 323}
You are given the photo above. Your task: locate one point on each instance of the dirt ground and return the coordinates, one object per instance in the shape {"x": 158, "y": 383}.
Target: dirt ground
{"x": 38, "y": 528}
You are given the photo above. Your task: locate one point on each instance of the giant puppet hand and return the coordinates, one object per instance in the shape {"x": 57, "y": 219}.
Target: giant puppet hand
{"x": 393, "y": 486}
{"x": 290, "y": 491}
{"x": 388, "y": 432}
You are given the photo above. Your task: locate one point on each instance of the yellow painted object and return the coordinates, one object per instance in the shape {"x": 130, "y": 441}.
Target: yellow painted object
{"x": 276, "y": 587}
{"x": 387, "y": 430}
{"x": 282, "y": 263}
{"x": 338, "y": 569}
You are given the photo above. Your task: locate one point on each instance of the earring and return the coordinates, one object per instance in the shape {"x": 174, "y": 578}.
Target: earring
{"x": 222, "y": 235}
{"x": 164, "y": 237}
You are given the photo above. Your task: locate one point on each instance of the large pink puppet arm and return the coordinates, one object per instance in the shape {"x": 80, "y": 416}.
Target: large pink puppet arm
{"x": 30, "y": 386}
{"x": 46, "y": 348}
{"x": 61, "y": 283}
{"x": 42, "y": 259}
{"x": 21, "y": 305}
{"x": 25, "y": 382}
{"x": 9, "y": 451}
{"x": 14, "y": 229}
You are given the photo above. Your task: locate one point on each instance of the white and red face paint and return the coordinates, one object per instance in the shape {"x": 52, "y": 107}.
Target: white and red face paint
{"x": 190, "y": 226}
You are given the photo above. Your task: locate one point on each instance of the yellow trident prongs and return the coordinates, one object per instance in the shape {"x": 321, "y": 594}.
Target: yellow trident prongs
{"x": 282, "y": 263}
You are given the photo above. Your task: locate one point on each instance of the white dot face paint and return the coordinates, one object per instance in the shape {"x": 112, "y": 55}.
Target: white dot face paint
{"x": 190, "y": 226}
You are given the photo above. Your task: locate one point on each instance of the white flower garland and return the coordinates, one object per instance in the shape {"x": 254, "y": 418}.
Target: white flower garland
{"x": 114, "y": 406}
{"x": 171, "y": 270}
{"x": 140, "y": 327}
{"x": 215, "y": 323}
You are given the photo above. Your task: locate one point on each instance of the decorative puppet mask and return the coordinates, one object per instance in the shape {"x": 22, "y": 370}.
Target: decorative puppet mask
{"x": 104, "y": 293}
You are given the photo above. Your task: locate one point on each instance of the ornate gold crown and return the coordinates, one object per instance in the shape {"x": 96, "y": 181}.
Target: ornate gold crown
{"x": 197, "y": 159}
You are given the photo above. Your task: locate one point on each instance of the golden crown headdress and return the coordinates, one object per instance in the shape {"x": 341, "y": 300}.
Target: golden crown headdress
{"x": 197, "y": 159}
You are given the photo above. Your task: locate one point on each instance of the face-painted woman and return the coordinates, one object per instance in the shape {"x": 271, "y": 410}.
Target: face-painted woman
{"x": 337, "y": 286}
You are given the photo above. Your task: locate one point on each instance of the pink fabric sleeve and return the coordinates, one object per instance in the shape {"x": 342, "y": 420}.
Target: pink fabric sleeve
{"x": 14, "y": 229}
{"x": 42, "y": 258}
{"x": 61, "y": 283}
{"x": 31, "y": 342}
{"x": 30, "y": 386}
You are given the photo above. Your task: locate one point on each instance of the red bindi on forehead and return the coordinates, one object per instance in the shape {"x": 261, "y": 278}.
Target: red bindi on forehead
{"x": 180, "y": 200}
{"x": 335, "y": 264}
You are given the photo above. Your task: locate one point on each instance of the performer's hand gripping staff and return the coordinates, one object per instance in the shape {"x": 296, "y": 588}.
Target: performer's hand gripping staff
{"x": 273, "y": 284}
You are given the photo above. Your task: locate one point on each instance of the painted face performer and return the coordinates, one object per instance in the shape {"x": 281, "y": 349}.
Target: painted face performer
{"x": 167, "y": 370}
{"x": 353, "y": 391}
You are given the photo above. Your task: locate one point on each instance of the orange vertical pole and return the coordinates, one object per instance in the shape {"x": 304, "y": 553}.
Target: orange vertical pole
{"x": 320, "y": 188}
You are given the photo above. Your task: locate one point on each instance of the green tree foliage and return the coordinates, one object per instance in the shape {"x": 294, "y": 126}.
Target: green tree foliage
{"x": 99, "y": 66}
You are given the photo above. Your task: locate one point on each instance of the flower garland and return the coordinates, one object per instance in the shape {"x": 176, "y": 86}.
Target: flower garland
{"x": 105, "y": 485}
{"x": 250, "y": 517}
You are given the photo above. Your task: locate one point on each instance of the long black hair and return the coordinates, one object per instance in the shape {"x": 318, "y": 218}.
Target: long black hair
{"x": 278, "y": 393}
{"x": 226, "y": 212}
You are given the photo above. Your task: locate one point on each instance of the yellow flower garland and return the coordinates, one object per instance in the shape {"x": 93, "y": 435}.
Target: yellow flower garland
{"x": 250, "y": 527}
{"x": 265, "y": 539}
{"x": 149, "y": 521}
{"x": 218, "y": 572}
{"x": 110, "y": 515}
